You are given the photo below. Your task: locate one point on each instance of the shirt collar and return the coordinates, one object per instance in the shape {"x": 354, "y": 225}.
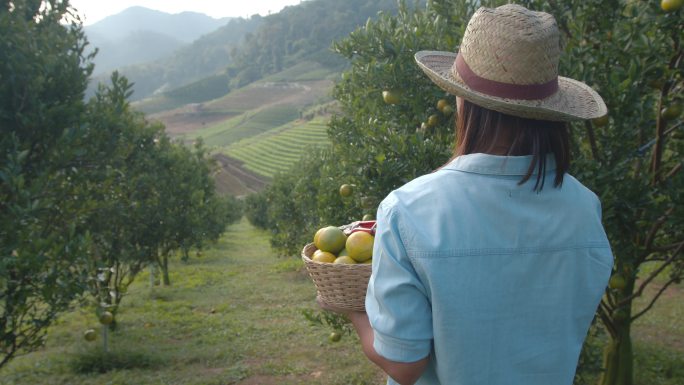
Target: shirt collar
{"x": 496, "y": 164}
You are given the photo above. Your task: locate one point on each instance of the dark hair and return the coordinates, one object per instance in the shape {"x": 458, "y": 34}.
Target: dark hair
{"x": 479, "y": 130}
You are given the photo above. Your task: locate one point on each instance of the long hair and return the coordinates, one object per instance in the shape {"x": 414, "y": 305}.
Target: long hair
{"x": 482, "y": 130}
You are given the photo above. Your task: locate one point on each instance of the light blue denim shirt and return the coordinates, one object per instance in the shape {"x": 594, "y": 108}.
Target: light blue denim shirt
{"x": 496, "y": 282}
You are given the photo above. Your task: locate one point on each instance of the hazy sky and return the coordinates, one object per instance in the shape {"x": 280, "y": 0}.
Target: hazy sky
{"x": 96, "y": 10}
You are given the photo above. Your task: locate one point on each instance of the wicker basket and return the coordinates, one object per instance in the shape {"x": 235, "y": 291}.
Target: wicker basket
{"x": 339, "y": 285}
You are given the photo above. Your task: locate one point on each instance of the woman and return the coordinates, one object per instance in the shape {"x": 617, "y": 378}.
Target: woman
{"x": 489, "y": 270}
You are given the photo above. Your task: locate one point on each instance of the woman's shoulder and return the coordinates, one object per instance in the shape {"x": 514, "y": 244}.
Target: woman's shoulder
{"x": 578, "y": 190}
{"x": 416, "y": 189}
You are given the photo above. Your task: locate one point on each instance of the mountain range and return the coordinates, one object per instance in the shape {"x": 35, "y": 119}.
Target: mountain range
{"x": 242, "y": 51}
{"x": 138, "y": 35}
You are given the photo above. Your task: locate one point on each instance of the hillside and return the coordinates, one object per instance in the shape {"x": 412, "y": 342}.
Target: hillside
{"x": 257, "y": 130}
{"x": 271, "y": 103}
{"x": 247, "y": 50}
{"x": 206, "y": 56}
{"x": 138, "y": 35}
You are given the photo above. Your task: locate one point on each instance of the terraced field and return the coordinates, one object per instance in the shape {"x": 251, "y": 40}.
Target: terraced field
{"x": 279, "y": 149}
{"x": 245, "y": 125}
{"x": 288, "y": 111}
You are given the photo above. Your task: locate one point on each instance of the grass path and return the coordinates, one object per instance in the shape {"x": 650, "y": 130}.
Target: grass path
{"x": 234, "y": 316}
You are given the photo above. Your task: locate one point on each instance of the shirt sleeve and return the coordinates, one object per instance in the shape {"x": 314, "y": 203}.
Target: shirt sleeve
{"x": 396, "y": 302}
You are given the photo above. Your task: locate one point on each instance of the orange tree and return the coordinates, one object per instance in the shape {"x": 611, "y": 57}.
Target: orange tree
{"x": 42, "y": 254}
{"x": 629, "y": 51}
{"x": 155, "y": 197}
{"x": 78, "y": 180}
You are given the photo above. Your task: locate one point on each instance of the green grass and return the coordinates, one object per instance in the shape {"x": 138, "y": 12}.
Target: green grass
{"x": 277, "y": 150}
{"x": 234, "y": 316}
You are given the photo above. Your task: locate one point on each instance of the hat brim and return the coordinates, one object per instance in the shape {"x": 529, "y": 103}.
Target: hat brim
{"x": 574, "y": 100}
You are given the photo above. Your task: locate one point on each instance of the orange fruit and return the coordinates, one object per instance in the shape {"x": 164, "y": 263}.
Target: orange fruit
{"x": 323, "y": 256}
{"x": 90, "y": 335}
{"x": 671, "y": 5}
{"x": 391, "y": 97}
{"x": 441, "y": 103}
{"x": 360, "y": 246}
{"x": 330, "y": 239}
{"x": 617, "y": 281}
{"x": 335, "y": 336}
{"x": 447, "y": 111}
{"x": 318, "y": 233}
{"x": 106, "y": 318}
{"x": 344, "y": 260}
{"x": 671, "y": 112}
{"x": 433, "y": 120}
{"x": 368, "y": 217}
{"x": 346, "y": 190}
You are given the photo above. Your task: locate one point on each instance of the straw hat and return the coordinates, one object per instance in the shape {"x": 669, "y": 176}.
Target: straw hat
{"x": 508, "y": 62}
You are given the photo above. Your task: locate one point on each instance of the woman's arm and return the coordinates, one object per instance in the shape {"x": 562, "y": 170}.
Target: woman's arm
{"x": 405, "y": 373}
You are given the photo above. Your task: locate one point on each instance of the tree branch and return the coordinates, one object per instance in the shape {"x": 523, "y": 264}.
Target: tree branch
{"x": 604, "y": 314}
{"x": 660, "y": 122}
{"x": 653, "y": 300}
{"x": 650, "y": 238}
{"x": 664, "y": 249}
{"x": 673, "y": 172}
{"x": 650, "y": 278}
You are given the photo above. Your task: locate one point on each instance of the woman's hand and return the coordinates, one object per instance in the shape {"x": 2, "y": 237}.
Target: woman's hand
{"x": 403, "y": 373}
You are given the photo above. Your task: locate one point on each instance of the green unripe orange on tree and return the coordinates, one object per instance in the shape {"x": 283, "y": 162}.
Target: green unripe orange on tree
{"x": 346, "y": 190}
{"x": 617, "y": 282}
{"x": 330, "y": 239}
{"x": 90, "y": 335}
{"x": 391, "y": 97}
{"x": 441, "y": 103}
{"x": 671, "y": 5}
{"x": 106, "y": 318}
{"x": 433, "y": 120}
{"x": 368, "y": 217}
{"x": 335, "y": 337}
{"x": 671, "y": 112}
{"x": 447, "y": 111}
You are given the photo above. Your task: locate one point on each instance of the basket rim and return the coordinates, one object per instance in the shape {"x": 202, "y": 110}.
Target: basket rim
{"x": 309, "y": 246}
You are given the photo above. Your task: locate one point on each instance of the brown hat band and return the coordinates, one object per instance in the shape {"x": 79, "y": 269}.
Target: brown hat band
{"x": 503, "y": 90}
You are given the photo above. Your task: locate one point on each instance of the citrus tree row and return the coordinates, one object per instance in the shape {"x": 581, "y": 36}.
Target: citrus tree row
{"x": 90, "y": 192}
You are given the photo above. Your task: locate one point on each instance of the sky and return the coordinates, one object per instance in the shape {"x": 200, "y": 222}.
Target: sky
{"x": 96, "y": 10}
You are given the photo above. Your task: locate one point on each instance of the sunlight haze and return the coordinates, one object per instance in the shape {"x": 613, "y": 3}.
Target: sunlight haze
{"x": 96, "y": 10}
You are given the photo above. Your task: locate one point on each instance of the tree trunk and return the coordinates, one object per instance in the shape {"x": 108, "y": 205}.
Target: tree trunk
{"x": 165, "y": 271}
{"x": 618, "y": 360}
